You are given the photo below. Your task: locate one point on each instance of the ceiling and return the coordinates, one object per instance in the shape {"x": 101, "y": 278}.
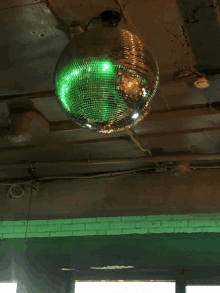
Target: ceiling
{"x": 184, "y": 120}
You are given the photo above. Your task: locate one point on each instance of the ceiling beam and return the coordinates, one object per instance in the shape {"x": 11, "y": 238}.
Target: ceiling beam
{"x": 128, "y": 160}
{"x": 173, "y": 114}
{"x": 109, "y": 140}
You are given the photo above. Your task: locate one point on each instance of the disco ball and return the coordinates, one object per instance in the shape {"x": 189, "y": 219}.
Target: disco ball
{"x": 105, "y": 79}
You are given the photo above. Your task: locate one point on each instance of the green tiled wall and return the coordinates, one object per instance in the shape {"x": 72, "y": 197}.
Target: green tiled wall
{"x": 111, "y": 226}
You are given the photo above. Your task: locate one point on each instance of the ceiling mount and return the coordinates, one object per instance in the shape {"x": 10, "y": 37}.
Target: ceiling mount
{"x": 110, "y": 18}
{"x": 21, "y": 123}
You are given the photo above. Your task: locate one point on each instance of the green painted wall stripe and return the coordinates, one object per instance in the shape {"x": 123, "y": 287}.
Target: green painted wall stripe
{"x": 197, "y": 223}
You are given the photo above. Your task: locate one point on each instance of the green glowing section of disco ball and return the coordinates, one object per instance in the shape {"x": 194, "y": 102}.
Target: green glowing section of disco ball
{"x": 87, "y": 89}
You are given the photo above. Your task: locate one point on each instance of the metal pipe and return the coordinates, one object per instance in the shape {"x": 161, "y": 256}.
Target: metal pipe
{"x": 28, "y": 96}
{"x": 205, "y": 167}
{"x": 128, "y": 160}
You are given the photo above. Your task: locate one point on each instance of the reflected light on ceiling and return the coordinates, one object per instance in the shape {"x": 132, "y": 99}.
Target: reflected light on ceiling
{"x": 112, "y": 267}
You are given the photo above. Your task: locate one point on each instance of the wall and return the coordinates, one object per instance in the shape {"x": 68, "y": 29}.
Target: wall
{"x": 145, "y": 206}
{"x": 134, "y": 195}
{"x": 155, "y": 242}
